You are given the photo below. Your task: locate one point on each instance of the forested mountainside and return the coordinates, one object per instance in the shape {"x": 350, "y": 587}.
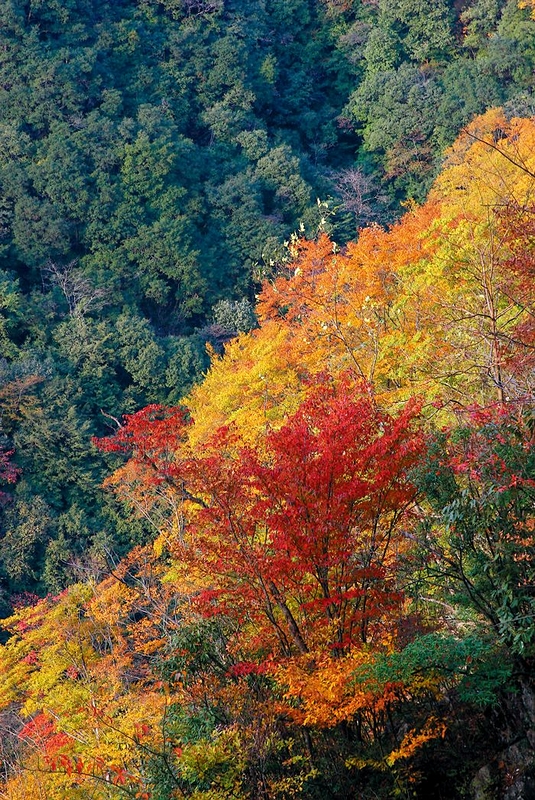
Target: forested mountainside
{"x": 337, "y": 599}
{"x": 154, "y": 158}
{"x": 267, "y": 463}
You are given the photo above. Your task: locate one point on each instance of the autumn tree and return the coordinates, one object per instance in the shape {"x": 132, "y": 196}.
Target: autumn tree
{"x": 293, "y": 544}
{"x": 298, "y": 532}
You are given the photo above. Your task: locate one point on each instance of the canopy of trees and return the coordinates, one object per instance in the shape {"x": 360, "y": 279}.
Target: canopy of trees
{"x": 339, "y": 582}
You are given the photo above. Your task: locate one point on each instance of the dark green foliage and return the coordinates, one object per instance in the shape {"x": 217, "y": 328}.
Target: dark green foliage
{"x": 474, "y": 669}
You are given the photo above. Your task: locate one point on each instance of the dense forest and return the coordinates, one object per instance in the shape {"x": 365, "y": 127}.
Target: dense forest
{"x": 267, "y": 463}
